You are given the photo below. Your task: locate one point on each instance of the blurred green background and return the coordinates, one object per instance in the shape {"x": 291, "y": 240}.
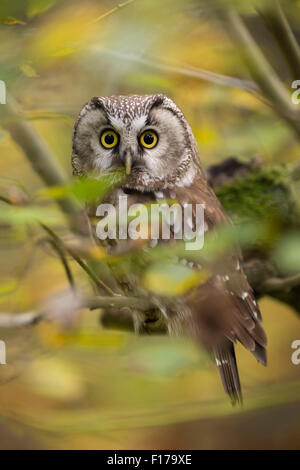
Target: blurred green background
{"x": 78, "y": 385}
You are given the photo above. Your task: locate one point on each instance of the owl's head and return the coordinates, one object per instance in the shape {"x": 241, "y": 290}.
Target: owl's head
{"x": 147, "y": 134}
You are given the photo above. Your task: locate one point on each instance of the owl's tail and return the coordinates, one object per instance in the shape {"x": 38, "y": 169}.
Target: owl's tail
{"x": 227, "y": 365}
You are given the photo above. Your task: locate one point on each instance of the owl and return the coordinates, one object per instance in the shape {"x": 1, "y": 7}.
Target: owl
{"x": 149, "y": 136}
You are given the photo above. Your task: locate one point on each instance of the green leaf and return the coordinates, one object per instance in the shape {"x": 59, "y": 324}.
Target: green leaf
{"x": 86, "y": 189}
{"x": 36, "y": 7}
{"x": 7, "y": 287}
{"x": 23, "y": 215}
{"x": 29, "y": 71}
{"x": 12, "y": 21}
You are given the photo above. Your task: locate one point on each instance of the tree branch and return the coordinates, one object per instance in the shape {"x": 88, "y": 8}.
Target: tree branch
{"x": 40, "y": 158}
{"x": 58, "y": 249}
{"x": 137, "y": 303}
{"x": 5, "y": 199}
{"x": 112, "y": 10}
{"x": 262, "y": 72}
{"x": 26, "y": 319}
{"x": 278, "y": 24}
{"x": 281, "y": 283}
{"x": 21, "y": 320}
{"x": 187, "y": 71}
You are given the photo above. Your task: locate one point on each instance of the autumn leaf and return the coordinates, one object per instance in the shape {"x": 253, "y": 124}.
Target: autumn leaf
{"x": 172, "y": 279}
{"x": 11, "y": 21}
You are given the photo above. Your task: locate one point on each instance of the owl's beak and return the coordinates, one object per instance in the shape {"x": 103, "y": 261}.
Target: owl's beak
{"x": 128, "y": 163}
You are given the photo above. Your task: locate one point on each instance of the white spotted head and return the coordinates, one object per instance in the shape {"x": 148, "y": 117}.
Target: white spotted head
{"x": 147, "y": 134}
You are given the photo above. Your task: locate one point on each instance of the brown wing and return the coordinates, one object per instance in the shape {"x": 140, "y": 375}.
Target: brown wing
{"x": 224, "y": 309}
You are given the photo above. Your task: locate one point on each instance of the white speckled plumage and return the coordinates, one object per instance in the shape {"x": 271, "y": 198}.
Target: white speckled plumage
{"x": 222, "y": 310}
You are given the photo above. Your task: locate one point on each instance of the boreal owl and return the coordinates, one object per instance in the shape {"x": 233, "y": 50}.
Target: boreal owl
{"x": 149, "y": 136}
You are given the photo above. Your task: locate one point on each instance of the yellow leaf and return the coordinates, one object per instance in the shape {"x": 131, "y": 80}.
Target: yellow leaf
{"x": 172, "y": 279}
{"x": 61, "y": 35}
{"x": 55, "y": 378}
{"x": 98, "y": 252}
{"x": 7, "y": 287}
{"x": 29, "y": 71}
{"x": 54, "y": 192}
{"x": 37, "y": 7}
{"x": 12, "y": 20}
{"x": 66, "y": 51}
{"x": 39, "y": 115}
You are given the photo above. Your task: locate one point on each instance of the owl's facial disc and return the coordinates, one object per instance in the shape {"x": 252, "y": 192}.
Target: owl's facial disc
{"x": 151, "y": 144}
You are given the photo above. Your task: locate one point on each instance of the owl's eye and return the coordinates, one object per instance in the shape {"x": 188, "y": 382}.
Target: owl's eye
{"x": 109, "y": 139}
{"x": 148, "y": 139}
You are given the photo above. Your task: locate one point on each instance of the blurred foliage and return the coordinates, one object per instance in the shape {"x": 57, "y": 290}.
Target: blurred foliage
{"x": 172, "y": 279}
{"x": 79, "y": 386}
{"x": 85, "y": 189}
{"x": 287, "y": 253}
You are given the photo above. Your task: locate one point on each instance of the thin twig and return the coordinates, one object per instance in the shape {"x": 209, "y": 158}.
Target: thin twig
{"x": 19, "y": 320}
{"x": 5, "y": 199}
{"x": 136, "y": 303}
{"x": 99, "y": 283}
{"x": 111, "y": 11}
{"x": 58, "y": 249}
{"x": 280, "y": 284}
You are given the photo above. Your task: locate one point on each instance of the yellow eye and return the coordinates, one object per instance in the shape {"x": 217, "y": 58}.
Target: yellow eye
{"x": 109, "y": 139}
{"x": 148, "y": 139}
